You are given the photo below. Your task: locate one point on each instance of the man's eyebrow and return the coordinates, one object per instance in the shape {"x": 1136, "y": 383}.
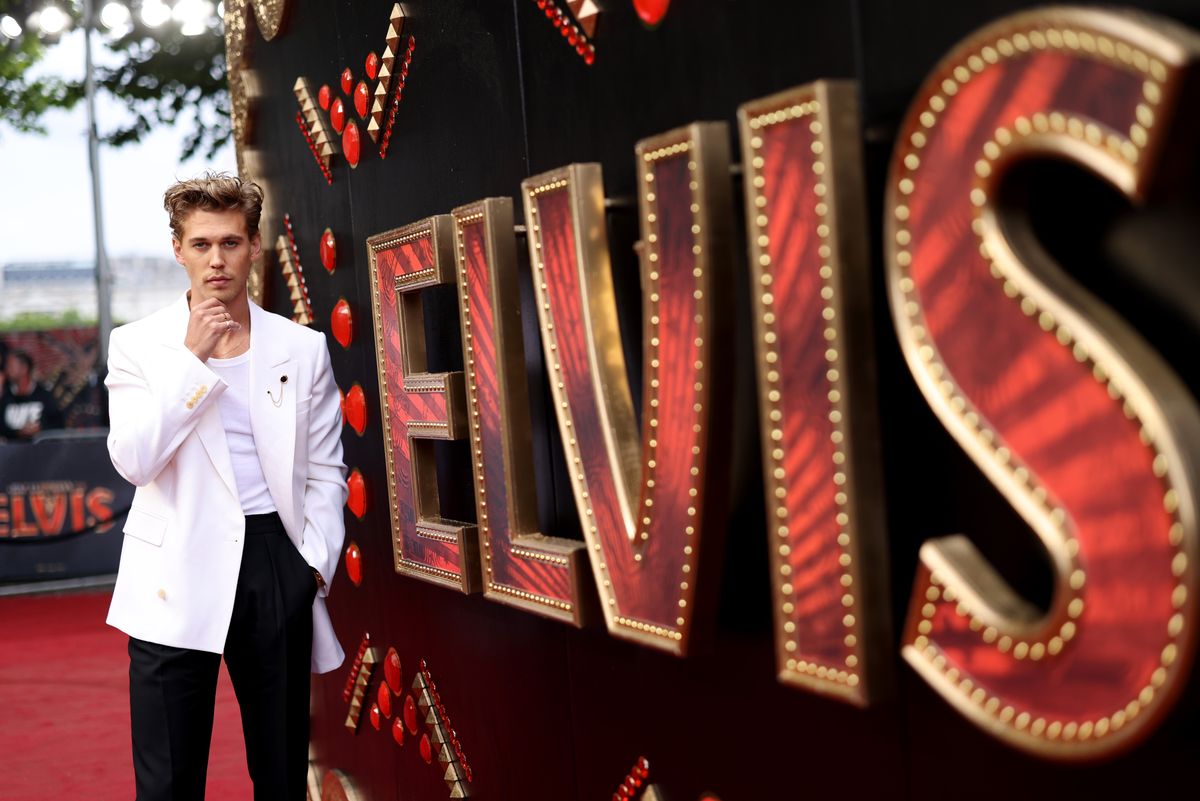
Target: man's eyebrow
{"x": 222, "y": 237}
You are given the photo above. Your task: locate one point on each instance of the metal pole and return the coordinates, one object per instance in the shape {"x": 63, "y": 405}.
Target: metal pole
{"x": 103, "y": 275}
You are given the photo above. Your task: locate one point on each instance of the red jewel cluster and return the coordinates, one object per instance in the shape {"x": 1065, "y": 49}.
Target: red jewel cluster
{"x": 569, "y": 30}
{"x": 313, "y": 147}
{"x": 291, "y": 235}
{"x": 634, "y": 781}
{"x": 348, "y": 692}
{"x": 400, "y": 79}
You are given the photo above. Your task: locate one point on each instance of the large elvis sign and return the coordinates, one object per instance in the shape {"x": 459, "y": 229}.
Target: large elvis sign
{"x": 1070, "y": 415}
{"x": 1080, "y": 425}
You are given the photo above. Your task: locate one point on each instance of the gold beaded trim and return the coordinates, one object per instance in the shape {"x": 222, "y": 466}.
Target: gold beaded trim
{"x": 407, "y": 279}
{"x": 649, "y": 628}
{"x": 540, "y": 557}
{"x": 529, "y": 596}
{"x": 433, "y": 534}
{"x": 468, "y": 218}
{"x": 424, "y": 385}
{"x": 409, "y": 565}
{"x": 428, "y": 428}
{"x": 1154, "y": 72}
{"x": 841, "y": 674}
{"x": 402, "y": 239}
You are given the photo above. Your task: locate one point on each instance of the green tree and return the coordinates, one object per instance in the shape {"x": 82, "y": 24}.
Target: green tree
{"x": 162, "y": 77}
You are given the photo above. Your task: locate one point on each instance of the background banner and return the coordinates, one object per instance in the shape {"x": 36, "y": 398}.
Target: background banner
{"x": 62, "y": 506}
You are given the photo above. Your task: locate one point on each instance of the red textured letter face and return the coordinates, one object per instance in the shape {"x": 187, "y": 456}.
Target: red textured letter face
{"x": 808, "y": 271}
{"x": 1059, "y": 402}
{"x": 646, "y": 503}
{"x": 418, "y": 406}
{"x": 521, "y": 567}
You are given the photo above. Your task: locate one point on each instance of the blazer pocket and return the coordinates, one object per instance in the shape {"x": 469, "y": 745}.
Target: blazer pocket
{"x": 145, "y": 526}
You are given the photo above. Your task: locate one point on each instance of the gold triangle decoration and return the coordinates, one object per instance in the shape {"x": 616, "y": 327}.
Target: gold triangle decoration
{"x": 293, "y": 274}
{"x": 387, "y": 63}
{"x": 312, "y": 126}
{"x": 449, "y": 752}
{"x": 360, "y": 675}
{"x": 585, "y": 12}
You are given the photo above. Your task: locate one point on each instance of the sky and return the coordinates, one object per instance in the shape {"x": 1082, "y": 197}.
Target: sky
{"x": 45, "y": 182}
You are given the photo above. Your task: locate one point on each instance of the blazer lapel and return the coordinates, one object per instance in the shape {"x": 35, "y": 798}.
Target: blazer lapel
{"x": 273, "y": 388}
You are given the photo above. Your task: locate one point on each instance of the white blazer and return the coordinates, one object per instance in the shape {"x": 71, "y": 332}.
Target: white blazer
{"x": 185, "y": 531}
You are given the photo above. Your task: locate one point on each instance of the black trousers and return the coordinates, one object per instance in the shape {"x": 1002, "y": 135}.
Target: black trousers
{"x": 172, "y": 691}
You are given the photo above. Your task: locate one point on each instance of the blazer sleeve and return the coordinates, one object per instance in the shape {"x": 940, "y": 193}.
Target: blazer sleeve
{"x": 153, "y": 406}
{"x": 325, "y": 488}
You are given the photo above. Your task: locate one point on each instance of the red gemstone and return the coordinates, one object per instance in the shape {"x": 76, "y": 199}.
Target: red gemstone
{"x": 356, "y": 501}
{"x": 356, "y": 409}
{"x": 337, "y": 115}
{"x": 542, "y": 4}
{"x": 573, "y": 39}
{"x": 398, "y": 731}
{"x": 391, "y": 670}
{"x": 362, "y": 98}
{"x": 426, "y": 749}
{"x": 351, "y": 144}
{"x": 589, "y": 57}
{"x": 323, "y": 97}
{"x": 341, "y": 320}
{"x": 354, "y": 564}
{"x": 328, "y": 250}
{"x": 651, "y": 12}
{"x": 372, "y": 66}
{"x": 347, "y": 80}
{"x": 384, "y": 700}
{"x": 410, "y": 714}
{"x": 376, "y": 721}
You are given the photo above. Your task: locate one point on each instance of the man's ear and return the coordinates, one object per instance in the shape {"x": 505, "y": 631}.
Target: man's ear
{"x": 177, "y": 246}
{"x": 256, "y": 245}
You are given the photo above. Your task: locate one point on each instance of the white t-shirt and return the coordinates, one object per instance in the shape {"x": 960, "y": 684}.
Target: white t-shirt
{"x": 234, "y": 405}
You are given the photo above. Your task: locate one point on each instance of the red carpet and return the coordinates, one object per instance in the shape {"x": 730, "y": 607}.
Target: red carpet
{"x": 64, "y": 706}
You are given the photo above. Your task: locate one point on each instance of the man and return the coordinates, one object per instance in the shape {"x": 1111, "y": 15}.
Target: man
{"x": 26, "y": 407}
{"x": 226, "y": 419}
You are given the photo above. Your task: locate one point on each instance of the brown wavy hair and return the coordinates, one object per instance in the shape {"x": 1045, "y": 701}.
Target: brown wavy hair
{"x": 213, "y": 191}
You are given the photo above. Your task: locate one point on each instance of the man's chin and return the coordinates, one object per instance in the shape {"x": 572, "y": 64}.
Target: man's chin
{"x": 225, "y": 294}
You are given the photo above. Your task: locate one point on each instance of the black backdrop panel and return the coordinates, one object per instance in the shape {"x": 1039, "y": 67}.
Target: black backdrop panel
{"x": 544, "y": 711}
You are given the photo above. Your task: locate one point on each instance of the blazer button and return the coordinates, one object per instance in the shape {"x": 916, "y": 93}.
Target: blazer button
{"x": 190, "y": 404}
{"x": 162, "y": 594}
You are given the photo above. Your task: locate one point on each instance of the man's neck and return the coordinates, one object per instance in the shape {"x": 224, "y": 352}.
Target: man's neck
{"x": 239, "y": 310}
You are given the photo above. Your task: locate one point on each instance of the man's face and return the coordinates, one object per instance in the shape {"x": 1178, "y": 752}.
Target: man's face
{"x": 15, "y": 369}
{"x": 216, "y": 252}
